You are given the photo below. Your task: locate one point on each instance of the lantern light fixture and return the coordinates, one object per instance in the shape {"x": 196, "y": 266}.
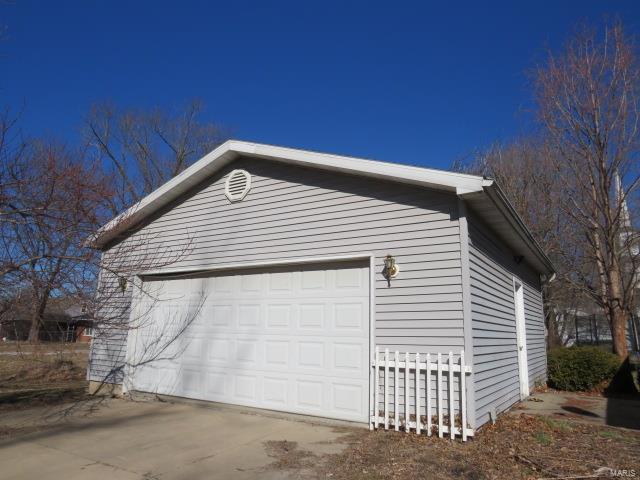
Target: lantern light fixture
{"x": 391, "y": 268}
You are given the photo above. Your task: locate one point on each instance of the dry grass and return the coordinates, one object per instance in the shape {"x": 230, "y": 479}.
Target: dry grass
{"x": 517, "y": 447}
{"x": 43, "y": 373}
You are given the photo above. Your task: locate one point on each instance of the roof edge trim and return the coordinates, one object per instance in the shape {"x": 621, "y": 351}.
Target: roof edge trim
{"x": 500, "y": 200}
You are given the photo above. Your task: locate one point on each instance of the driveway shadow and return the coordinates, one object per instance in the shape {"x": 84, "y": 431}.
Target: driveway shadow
{"x": 623, "y": 399}
{"x": 69, "y": 420}
{"x": 613, "y": 410}
{"x": 579, "y": 411}
{"x": 623, "y": 412}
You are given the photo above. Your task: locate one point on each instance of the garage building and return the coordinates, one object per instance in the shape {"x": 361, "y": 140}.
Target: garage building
{"x": 257, "y": 277}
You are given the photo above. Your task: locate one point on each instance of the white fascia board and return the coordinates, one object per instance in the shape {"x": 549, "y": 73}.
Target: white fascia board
{"x": 437, "y": 179}
{"x": 457, "y": 183}
{"x": 520, "y": 232}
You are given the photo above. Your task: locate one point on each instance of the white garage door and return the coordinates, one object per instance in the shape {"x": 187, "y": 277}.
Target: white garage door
{"x": 294, "y": 339}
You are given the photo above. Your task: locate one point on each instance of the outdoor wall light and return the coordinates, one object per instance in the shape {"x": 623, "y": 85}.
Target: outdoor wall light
{"x": 391, "y": 268}
{"x": 122, "y": 282}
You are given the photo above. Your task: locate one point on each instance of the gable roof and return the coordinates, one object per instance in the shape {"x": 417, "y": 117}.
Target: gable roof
{"x": 483, "y": 195}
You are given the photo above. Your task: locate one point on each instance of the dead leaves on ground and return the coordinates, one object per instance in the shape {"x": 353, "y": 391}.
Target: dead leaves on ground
{"x": 519, "y": 446}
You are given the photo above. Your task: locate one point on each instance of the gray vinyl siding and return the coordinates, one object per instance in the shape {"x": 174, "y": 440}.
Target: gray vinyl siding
{"x": 495, "y": 359}
{"x": 109, "y": 341}
{"x": 293, "y": 213}
{"x": 536, "y": 335}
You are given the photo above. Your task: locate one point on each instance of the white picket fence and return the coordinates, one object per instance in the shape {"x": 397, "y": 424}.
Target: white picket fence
{"x": 424, "y": 371}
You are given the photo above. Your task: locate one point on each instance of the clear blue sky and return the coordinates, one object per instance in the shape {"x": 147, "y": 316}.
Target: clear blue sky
{"x": 421, "y": 83}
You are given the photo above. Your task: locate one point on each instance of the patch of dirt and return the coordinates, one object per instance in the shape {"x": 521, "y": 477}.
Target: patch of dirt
{"x": 287, "y": 455}
{"x": 519, "y": 446}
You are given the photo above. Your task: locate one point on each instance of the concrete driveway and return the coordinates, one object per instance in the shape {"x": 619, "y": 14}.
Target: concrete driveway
{"x": 121, "y": 439}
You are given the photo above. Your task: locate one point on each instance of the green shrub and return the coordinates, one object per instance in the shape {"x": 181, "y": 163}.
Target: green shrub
{"x": 580, "y": 368}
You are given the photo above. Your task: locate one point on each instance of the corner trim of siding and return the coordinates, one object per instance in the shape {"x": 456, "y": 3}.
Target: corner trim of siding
{"x": 466, "y": 307}
{"x": 92, "y": 343}
{"x": 372, "y": 331}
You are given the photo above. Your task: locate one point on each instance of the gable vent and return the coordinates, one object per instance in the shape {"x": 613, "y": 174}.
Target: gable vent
{"x": 237, "y": 185}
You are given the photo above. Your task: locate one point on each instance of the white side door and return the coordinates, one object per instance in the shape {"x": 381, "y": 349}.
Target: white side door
{"x": 521, "y": 338}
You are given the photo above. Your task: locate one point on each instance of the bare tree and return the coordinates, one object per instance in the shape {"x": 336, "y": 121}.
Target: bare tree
{"x": 588, "y": 100}
{"x": 124, "y": 304}
{"x": 525, "y": 170}
{"x": 12, "y": 163}
{"x": 12, "y": 160}
{"x": 52, "y": 204}
{"x": 143, "y": 149}
{"x": 52, "y": 198}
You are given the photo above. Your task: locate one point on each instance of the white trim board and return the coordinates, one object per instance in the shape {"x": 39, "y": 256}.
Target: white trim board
{"x": 246, "y": 265}
{"x": 367, "y": 259}
{"x": 521, "y": 337}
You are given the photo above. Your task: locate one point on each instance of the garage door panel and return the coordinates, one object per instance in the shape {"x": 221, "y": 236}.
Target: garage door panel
{"x": 192, "y": 382}
{"x": 347, "y": 398}
{"x": 216, "y": 384}
{"x": 247, "y": 351}
{"x": 348, "y": 279}
{"x": 250, "y": 284}
{"x": 275, "y": 391}
{"x": 194, "y": 349}
{"x": 249, "y": 316}
{"x": 281, "y": 282}
{"x": 294, "y": 340}
{"x": 277, "y": 354}
{"x": 298, "y": 393}
{"x": 279, "y": 316}
{"x": 309, "y": 395}
{"x": 157, "y": 377}
{"x": 310, "y": 355}
{"x": 218, "y": 350}
{"x": 314, "y": 281}
{"x": 349, "y": 317}
{"x": 313, "y": 317}
{"x": 350, "y": 358}
{"x": 300, "y": 317}
{"x": 221, "y": 315}
{"x": 245, "y": 388}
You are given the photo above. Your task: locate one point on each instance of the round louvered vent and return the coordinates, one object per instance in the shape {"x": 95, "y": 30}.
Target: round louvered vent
{"x": 237, "y": 185}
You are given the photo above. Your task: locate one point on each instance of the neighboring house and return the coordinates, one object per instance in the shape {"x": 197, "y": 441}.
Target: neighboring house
{"x": 61, "y": 323}
{"x": 256, "y": 278}
{"x": 80, "y": 325}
